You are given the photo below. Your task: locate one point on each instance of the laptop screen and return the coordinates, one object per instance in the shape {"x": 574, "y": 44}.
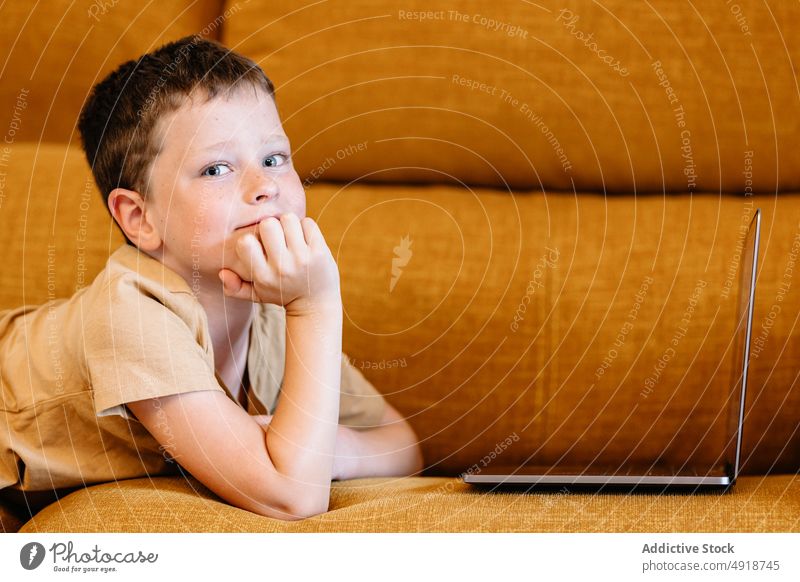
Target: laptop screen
{"x": 741, "y": 342}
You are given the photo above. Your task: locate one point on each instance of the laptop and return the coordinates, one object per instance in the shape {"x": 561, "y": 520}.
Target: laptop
{"x": 629, "y": 477}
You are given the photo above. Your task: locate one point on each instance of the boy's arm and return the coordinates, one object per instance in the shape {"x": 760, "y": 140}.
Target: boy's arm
{"x": 302, "y": 435}
{"x": 390, "y": 449}
{"x": 285, "y": 471}
{"x": 290, "y": 264}
{"x": 216, "y": 441}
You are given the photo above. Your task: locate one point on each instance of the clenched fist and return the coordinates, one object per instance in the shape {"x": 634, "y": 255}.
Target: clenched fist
{"x": 287, "y": 262}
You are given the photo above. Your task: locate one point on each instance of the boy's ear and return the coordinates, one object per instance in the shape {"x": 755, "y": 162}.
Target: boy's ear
{"x": 129, "y": 210}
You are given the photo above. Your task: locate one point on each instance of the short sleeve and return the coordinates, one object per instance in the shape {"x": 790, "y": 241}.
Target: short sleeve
{"x": 360, "y": 405}
{"x": 137, "y": 348}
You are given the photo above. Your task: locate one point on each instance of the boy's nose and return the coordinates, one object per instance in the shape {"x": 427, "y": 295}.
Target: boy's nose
{"x": 264, "y": 196}
{"x": 261, "y": 190}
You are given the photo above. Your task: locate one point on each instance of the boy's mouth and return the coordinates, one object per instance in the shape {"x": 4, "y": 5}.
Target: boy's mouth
{"x": 253, "y": 223}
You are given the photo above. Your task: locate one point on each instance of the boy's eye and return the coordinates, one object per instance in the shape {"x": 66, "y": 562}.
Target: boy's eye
{"x": 272, "y": 161}
{"x": 273, "y": 157}
{"x": 208, "y": 171}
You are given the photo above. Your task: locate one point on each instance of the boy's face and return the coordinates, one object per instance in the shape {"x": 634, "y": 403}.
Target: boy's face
{"x": 224, "y": 165}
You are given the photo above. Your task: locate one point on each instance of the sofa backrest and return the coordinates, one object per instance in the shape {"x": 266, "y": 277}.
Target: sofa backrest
{"x": 54, "y": 52}
{"x": 603, "y": 96}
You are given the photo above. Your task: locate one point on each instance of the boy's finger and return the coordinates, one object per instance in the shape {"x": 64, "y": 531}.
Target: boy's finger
{"x": 235, "y": 287}
{"x": 253, "y": 260}
{"x": 272, "y": 237}
{"x": 311, "y": 231}
{"x": 293, "y": 232}
{"x": 230, "y": 280}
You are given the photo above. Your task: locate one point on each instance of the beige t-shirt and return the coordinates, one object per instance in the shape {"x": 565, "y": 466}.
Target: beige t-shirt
{"x": 68, "y": 367}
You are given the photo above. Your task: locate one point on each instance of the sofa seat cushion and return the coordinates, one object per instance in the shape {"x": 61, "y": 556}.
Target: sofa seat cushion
{"x": 428, "y": 504}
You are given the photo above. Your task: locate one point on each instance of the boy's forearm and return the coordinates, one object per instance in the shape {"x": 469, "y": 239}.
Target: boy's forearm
{"x": 384, "y": 451}
{"x": 302, "y": 434}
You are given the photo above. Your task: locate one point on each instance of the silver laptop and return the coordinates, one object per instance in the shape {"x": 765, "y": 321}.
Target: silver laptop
{"x": 629, "y": 477}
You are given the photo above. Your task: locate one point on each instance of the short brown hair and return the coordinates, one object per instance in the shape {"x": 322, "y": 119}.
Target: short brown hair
{"x": 118, "y": 121}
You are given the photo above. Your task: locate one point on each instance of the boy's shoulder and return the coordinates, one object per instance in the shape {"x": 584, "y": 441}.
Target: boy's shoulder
{"x": 143, "y": 319}
{"x": 137, "y": 308}
{"x": 128, "y": 266}
{"x": 133, "y": 283}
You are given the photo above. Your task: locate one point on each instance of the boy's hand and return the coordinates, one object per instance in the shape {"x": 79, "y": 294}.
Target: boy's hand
{"x": 291, "y": 265}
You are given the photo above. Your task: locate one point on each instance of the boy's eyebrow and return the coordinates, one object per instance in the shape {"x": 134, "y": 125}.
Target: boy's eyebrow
{"x": 270, "y": 139}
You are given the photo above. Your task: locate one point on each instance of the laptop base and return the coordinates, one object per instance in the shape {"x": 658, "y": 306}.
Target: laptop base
{"x": 611, "y": 489}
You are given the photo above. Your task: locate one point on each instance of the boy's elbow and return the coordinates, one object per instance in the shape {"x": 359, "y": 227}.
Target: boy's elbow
{"x": 293, "y": 512}
{"x": 294, "y": 504}
{"x": 305, "y": 507}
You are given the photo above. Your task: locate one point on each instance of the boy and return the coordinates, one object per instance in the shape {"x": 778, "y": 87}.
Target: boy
{"x": 224, "y": 296}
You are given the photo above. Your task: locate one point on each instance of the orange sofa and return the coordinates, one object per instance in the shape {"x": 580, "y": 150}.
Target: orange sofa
{"x": 503, "y": 186}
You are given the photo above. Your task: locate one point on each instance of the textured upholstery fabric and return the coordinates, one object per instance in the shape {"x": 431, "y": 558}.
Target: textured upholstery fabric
{"x": 55, "y": 231}
{"x": 429, "y": 504}
{"x": 534, "y": 93}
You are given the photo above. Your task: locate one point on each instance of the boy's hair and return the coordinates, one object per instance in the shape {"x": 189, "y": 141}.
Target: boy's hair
{"x": 117, "y": 123}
